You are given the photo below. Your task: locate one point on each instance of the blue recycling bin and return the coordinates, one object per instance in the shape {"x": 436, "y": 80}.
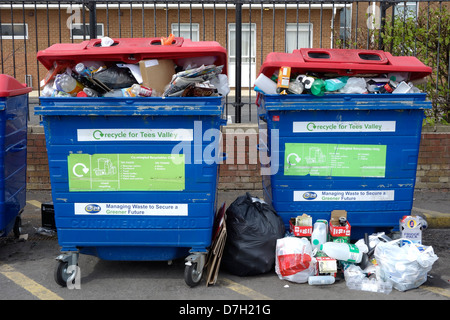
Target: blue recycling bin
{"x": 133, "y": 178}
{"x": 13, "y": 153}
{"x": 353, "y": 152}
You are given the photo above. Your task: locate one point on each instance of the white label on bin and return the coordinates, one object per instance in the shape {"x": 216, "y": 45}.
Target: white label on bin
{"x": 132, "y": 209}
{"x": 343, "y": 126}
{"x": 135, "y": 134}
{"x": 342, "y": 195}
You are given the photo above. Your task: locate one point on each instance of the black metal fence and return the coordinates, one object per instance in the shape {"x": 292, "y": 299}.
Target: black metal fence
{"x": 249, "y": 30}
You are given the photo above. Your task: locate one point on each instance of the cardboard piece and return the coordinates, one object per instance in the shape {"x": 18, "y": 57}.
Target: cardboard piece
{"x": 336, "y": 230}
{"x": 156, "y": 73}
{"x": 218, "y": 244}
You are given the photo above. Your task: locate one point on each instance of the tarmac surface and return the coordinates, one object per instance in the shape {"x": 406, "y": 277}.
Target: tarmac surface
{"x": 27, "y": 266}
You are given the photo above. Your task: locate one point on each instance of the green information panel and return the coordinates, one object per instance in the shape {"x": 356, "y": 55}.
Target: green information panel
{"x": 335, "y": 160}
{"x": 126, "y": 172}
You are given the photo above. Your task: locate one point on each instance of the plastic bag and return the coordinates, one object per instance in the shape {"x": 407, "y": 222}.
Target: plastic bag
{"x": 115, "y": 77}
{"x": 406, "y": 266}
{"x": 294, "y": 259}
{"x": 354, "y": 85}
{"x": 253, "y": 228}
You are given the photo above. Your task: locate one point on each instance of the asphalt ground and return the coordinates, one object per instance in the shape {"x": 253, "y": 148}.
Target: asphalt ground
{"x": 27, "y": 266}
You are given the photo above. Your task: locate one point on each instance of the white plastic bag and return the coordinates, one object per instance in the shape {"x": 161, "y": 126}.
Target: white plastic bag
{"x": 407, "y": 266}
{"x": 294, "y": 259}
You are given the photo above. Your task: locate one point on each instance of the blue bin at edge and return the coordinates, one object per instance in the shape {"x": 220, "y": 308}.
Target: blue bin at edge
{"x": 13, "y": 157}
{"x": 118, "y": 192}
{"x": 353, "y": 152}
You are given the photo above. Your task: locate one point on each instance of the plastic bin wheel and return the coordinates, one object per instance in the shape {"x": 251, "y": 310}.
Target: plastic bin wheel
{"x": 66, "y": 269}
{"x": 192, "y": 276}
{"x": 194, "y": 269}
{"x": 61, "y": 275}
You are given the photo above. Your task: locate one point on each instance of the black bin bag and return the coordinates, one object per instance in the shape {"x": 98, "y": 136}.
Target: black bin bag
{"x": 253, "y": 228}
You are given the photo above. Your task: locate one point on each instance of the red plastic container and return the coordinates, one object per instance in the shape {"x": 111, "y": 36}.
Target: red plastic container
{"x": 344, "y": 62}
{"x": 132, "y": 50}
{"x": 9, "y": 86}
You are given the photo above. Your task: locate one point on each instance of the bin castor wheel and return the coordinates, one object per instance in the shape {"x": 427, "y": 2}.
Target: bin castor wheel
{"x": 61, "y": 275}
{"x": 194, "y": 269}
{"x": 192, "y": 276}
{"x": 17, "y": 229}
{"x": 66, "y": 269}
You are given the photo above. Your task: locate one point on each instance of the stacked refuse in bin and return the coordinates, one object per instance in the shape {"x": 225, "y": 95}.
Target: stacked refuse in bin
{"x": 133, "y": 174}
{"x": 337, "y": 144}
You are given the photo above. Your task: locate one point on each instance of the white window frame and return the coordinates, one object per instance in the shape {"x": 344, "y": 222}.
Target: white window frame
{"x": 347, "y": 28}
{"x": 16, "y": 36}
{"x": 186, "y": 27}
{"x": 246, "y": 58}
{"x": 400, "y": 8}
{"x": 291, "y": 28}
{"x": 77, "y": 37}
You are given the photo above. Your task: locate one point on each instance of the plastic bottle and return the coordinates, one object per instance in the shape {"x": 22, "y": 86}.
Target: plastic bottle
{"x": 81, "y": 69}
{"x": 320, "y": 280}
{"x": 296, "y": 86}
{"x": 65, "y": 82}
{"x": 318, "y": 87}
{"x": 266, "y": 85}
{"x": 90, "y": 92}
{"x": 335, "y": 84}
{"x": 141, "y": 90}
{"x": 126, "y": 92}
{"x": 342, "y": 251}
{"x": 319, "y": 234}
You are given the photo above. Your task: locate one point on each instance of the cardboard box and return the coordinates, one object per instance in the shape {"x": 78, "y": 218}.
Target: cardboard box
{"x": 336, "y": 230}
{"x": 326, "y": 266}
{"x": 156, "y": 73}
{"x": 300, "y": 231}
{"x": 283, "y": 77}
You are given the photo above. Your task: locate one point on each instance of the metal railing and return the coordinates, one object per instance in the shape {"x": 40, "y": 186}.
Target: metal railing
{"x": 248, "y": 29}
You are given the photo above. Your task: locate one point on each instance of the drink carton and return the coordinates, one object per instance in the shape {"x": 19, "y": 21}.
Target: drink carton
{"x": 326, "y": 266}
{"x": 301, "y": 226}
{"x": 411, "y": 228}
{"x": 283, "y": 78}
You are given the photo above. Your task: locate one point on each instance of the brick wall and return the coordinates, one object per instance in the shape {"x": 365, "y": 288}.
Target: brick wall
{"x": 433, "y": 167}
{"x": 241, "y": 169}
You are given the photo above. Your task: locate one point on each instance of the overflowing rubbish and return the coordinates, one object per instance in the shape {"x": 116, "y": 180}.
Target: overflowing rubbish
{"x": 147, "y": 78}
{"x": 376, "y": 263}
{"x": 287, "y": 81}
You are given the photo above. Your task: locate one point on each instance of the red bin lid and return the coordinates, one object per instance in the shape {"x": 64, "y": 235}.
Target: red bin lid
{"x": 344, "y": 62}
{"x": 9, "y": 86}
{"x": 132, "y": 50}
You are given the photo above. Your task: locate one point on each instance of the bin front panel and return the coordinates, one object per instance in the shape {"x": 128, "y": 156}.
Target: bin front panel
{"x": 133, "y": 180}
{"x": 13, "y": 158}
{"x": 352, "y": 155}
